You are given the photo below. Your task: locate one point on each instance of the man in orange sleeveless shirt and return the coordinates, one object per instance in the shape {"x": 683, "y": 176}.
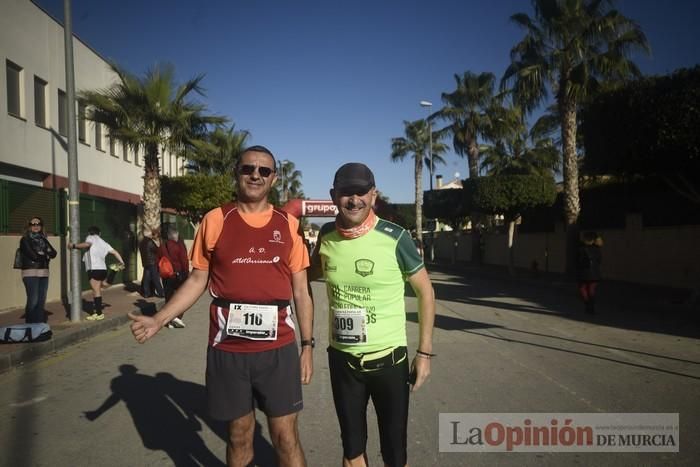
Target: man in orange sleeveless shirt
{"x": 254, "y": 262}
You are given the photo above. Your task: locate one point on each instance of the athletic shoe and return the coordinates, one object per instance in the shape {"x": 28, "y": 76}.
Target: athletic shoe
{"x": 90, "y": 317}
{"x": 98, "y": 317}
{"x": 178, "y": 323}
{"x": 170, "y": 326}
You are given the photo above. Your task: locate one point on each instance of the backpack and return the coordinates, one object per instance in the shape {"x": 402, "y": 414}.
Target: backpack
{"x": 165, "y": 268}
{"x": 30, "y": 332}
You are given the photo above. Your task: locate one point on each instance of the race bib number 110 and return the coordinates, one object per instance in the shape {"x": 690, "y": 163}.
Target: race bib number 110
{"x": 257, "y": 322}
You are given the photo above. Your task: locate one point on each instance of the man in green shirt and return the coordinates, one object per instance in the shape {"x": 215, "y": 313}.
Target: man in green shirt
{"x": 365, "y": 261}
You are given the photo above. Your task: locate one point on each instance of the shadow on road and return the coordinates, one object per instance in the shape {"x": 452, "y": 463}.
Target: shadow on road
{"x": 616, "y": 308}
{"x": 510, "y": 296}
{"x": 591, "y": 355}
{"x": 147, "y": 308}
{"x": 168, "y": 414}
{"x": 449, "y": 323}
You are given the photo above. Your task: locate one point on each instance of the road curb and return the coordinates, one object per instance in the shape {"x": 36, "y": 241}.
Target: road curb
{"x": 64, "y": 337}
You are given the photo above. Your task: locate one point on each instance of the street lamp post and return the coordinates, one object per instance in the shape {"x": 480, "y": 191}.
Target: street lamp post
{"x": 73, "y": 183}
{"x": 429, "y": 106}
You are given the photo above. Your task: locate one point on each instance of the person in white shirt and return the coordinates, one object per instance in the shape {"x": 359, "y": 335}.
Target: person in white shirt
{"x": 96, "y": 266}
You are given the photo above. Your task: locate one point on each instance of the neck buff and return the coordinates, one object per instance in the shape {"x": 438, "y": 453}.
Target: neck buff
{"x": 358, "y": 230}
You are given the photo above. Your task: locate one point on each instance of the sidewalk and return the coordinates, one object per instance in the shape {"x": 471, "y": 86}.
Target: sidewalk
{"x": 118, "y": 301}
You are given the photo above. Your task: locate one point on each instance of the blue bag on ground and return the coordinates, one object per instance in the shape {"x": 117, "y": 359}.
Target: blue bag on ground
{"x": 30, "y": 332}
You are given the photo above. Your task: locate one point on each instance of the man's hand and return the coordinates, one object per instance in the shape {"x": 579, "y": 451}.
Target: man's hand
{"x": 143, "y": 327}
{"x": 306, "y": 362}
{"x": 422, "y": 369}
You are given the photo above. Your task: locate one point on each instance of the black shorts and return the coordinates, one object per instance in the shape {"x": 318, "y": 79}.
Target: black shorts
{"x": 388, "y": 387}
{"x": 236, "y": 381}
{"x": 97, "y": 274}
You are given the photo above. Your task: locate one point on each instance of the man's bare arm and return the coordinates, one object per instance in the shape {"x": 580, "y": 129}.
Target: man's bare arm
{"x": 305, "y": 317}
{"x": 420, "y": 282}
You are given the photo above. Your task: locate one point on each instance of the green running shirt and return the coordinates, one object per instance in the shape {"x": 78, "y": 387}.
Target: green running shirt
{"x": 366, "y": 276}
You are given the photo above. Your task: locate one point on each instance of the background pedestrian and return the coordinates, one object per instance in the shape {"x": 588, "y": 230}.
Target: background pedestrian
{"x": 148, "y": 247}
{"x": 174, "y": 249}
{"x": 36, "y": 252}
{"x": 94, "y": 260}
{"x": 588, "y": 264}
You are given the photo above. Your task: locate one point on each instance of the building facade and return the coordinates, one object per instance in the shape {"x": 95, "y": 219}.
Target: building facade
{"x": 33, "y": 148}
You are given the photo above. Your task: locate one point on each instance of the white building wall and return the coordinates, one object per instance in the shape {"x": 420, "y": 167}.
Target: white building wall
{"x": 30, "y": 38}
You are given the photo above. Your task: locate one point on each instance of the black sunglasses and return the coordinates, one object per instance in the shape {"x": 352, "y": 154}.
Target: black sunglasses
{"x": 247, "y": 169}
{"x": 35, "y": 223}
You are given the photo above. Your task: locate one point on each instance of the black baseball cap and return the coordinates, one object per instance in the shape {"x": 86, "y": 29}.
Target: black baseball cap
{"x": 353, "y": 176}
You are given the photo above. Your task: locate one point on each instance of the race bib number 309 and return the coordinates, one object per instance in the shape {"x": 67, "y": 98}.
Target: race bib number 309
{"x": 257, "y": 322}
{"x": 349, "y": 326}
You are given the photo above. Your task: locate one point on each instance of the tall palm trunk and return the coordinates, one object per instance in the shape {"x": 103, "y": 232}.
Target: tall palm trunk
{"x": 473, "y": 158}
{"x": 151, "y": 188}
{"x": 572, "y": 206}
{"x": 473, "y": 161}
{"x": 511, "y": 220}
{"x": 419, "y": 196}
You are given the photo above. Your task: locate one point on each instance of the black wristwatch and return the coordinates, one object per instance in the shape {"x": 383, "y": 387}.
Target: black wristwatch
{"x": 311, "y": 342}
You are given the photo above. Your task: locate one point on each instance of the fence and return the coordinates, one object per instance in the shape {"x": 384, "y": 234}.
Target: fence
{"x": 667, "y": 256}
{"x": 117, "y": 222}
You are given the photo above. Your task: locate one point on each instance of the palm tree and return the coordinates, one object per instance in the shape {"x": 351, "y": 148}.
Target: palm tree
{"x": 288, "y": 181}
{"x": 515, "y": 150}
{"x": 217, "y": 152}
{"x": 466, "y": 110}
{"x": 416, "y": 144}
{"x": 152, "y": 112}
{"x": 469, "y": 109}
{"x": 570, "y": 46}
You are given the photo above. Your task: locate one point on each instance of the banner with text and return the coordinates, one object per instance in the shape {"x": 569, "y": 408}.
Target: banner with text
{"x": 312, "y": 208}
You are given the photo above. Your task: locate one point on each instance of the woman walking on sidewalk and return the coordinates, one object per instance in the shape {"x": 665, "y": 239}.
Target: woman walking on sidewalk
{"x": 36, "y": 252}
{"x": 96, "y": 266}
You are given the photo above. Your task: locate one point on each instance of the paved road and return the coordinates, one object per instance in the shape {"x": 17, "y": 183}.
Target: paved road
{"x": 503, "y": 347}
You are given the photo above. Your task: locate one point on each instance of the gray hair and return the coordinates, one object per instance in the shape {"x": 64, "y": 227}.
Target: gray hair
{"x": 173, "y": 234}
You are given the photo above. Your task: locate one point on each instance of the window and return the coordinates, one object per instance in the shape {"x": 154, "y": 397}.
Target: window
{"x": 125, "y": 153}
{"x": 113, "y": 147}
{"x": 99, "y": 144}
{"x": 14, "y": 88}
{"x": 82, "y": 123}
{"x": 40, "y": 101}
{"x": 62, "y": 113}
{"x": 137, "y": 156}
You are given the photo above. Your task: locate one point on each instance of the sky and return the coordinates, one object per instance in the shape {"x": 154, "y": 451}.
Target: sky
{"x": 324, "y": 82}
